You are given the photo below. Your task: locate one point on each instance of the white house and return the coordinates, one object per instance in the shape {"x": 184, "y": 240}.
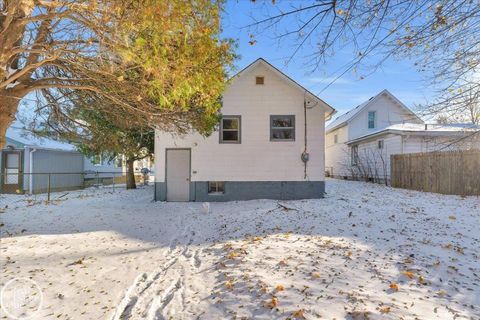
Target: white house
{"x": 270, "y": 143}
{"x": 359, "y": 143}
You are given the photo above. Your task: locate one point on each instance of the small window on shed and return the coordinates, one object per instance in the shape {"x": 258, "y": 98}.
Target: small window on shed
{"x": 380, "y": 144}
{"x": 335, "y": 139}
{"x": 216, "y": 187}
{"x": 259, "y": 80}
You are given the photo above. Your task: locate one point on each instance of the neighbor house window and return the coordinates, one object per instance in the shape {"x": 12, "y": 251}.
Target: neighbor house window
{"x": 354, "y": 155}
{"x": 380, "y": 144}
{"x": 335, "y": 138}
{"x": 118, "y": 162}
{"x": 230, "y": 129}
{"x": 216, "y": 187}
{"x": 371, "y": 119}
{"x": 97, "y": 160}
{"x": 282, "y": 128}
{"x": 259, "y": 80}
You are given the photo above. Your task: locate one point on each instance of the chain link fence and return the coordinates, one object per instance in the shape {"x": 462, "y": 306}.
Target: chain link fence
{"x": 26, "y": 189}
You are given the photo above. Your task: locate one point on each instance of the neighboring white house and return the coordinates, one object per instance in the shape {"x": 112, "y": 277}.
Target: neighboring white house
{"x": 263, "y": 147}
{"x": 359, "y": 143}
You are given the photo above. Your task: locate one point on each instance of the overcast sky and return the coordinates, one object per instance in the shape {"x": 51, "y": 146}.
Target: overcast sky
{"x": 398, "y": 76}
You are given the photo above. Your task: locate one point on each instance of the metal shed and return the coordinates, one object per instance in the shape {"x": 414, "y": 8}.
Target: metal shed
{"x": 28, "y": 163}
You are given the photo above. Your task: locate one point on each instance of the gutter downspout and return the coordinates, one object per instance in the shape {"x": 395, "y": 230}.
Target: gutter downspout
{"x": 30, "y": 165}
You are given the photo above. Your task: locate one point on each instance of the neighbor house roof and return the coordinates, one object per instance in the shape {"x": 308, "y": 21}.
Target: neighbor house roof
{"x": 343, "y": 119}
{"x": 421, "y": 129}
{"x": 21, "y": 137}
{"x": 331, "y": 111}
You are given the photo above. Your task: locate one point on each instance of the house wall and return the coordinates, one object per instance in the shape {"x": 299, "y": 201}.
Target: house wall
{"x": 387, "y": 113}
{"x": 375, "y": 161}
{"x": 337, "y": 156}
{"x": 51, "y": 161}
{"x": 256, "y": 158}
{"x": 379, "y": 160}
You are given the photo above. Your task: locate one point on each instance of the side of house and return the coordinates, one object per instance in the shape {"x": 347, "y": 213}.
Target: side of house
{"x": 268, "y": 123}
{"x": 371, "y": 153}
{"x": 377, "y": 113}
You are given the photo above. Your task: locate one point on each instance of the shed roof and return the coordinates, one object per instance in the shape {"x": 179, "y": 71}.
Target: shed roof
{"x": 20, "y": 137}
{"x": 422, "y": 129}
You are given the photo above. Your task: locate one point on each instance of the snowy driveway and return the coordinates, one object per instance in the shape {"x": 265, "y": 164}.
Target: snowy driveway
{"x": 364, "y": 252}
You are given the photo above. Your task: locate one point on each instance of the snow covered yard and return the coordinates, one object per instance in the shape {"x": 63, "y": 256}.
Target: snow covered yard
{"x": 364, "y": 252}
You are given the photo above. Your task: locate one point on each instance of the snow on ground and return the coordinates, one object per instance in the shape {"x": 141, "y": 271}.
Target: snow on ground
{"x": 364, "y": 252}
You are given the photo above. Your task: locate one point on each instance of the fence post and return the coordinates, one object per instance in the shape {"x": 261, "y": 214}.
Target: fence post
{"x": 48, "y": 188}
{"x": 113, "y": 183}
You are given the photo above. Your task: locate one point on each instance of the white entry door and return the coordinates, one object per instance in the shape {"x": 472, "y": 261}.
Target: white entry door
{"x": 178, "y": 174}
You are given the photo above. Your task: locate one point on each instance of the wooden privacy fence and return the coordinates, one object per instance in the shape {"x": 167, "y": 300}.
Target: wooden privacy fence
{"x": 452, "y": 172}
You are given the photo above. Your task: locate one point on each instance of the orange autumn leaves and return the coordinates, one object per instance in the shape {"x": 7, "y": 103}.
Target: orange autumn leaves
{"x": 410, "y": 275}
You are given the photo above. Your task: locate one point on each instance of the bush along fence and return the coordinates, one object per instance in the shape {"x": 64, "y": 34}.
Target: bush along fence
{"x": 452, "y": 172}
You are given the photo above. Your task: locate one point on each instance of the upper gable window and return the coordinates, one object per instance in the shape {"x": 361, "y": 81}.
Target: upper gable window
{"x": 282, "y": 128}
{"x": 230, "y": 129}
{"x": 371, "y": 119}
{"x": 260, "y": 80}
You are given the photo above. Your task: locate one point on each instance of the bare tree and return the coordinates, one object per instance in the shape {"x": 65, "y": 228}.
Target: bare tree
{"x": 368, "y": 164}
{"x": 441, "y": 36}
{"x": 463, "y": 106}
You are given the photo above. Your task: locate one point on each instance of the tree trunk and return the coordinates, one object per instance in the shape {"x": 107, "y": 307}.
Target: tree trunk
{"x": 8, "y": 108}
{"x": 130, "y": 175}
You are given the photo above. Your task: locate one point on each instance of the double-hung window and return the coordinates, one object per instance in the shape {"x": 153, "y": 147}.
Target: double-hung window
{"x": 371, "y": 119}
{"x": 230, "y": 129}
{"x": 282, "y": 128}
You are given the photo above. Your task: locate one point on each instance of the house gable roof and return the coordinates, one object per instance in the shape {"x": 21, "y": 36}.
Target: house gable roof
{"x": 329, "y": 110}
{"x": 345, "y": 118}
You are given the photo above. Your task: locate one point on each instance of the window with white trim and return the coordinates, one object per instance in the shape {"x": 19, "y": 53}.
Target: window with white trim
{"x": 371, "y": 119}
{"x": 118, "y": 161}
{"x": 282, "y": 128}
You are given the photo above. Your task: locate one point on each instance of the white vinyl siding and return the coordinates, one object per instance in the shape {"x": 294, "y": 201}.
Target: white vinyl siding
{"x": 256, "y": 158}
